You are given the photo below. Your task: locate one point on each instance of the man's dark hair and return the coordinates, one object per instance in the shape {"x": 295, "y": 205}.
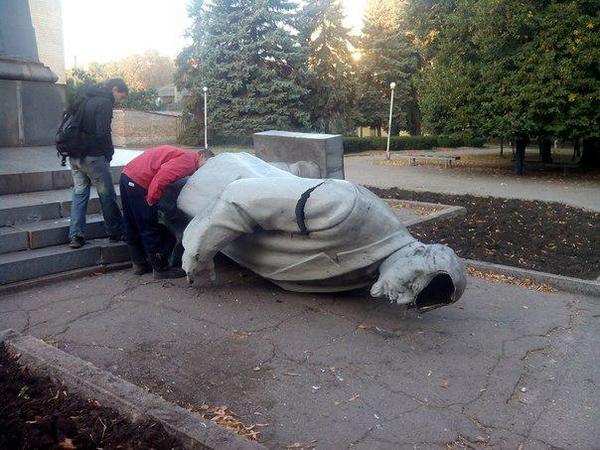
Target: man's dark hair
{"x": 118, "y": 83}
{"x": 206, "y": 153}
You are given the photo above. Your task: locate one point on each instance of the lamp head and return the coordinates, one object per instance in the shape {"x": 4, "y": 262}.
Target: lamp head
{"x": 205, "y": 89}
{"x": 392, "y": 85}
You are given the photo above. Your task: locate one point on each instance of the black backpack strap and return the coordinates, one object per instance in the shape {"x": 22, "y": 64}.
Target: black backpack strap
{"x": 63, "y": 159}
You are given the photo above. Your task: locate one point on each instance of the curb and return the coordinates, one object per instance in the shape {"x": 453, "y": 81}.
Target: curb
{"x": 446, "y": 213}
{"x": 568, "y": 284}
{"x": 128, "y": 399}
{"x": 62, "y": 276}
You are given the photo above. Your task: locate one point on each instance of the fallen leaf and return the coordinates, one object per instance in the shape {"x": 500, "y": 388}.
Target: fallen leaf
{"x": 301, "y": 446}
{"x": 240, "y": 334}
{"x": 24, "y": 393}
{"x": 67, "y": 444}
{"x": 226, "y": 418}
{"x": 354, "y": 397}
{"x": 36, "y": 419}
{"x": 444, "y": 384}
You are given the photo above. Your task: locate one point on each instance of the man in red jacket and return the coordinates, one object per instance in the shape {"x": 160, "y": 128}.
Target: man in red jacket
{"x": 142, "y": 184}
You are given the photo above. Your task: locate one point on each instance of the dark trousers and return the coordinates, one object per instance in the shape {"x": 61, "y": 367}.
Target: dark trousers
{"x": 140, "y": 220}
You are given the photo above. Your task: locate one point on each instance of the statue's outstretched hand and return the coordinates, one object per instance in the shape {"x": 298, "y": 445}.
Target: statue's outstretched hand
{"x": 201, "y": 272}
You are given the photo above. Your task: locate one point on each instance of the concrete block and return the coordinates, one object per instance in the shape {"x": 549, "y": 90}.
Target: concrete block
{"x": 29, "y": 213}
{"x": 113, "y": 253}
{"x": 43, "y": 105}
{"x": 93, "y": 205}
{"x": 29, "y": 264}
{"x": 40, "y": 104}
{"x": 326, "y": 150}
{"x": 14, "y": 183}
{"x": 56, "y": 231}
{"x": 12, "y": 240}
{"x": 9, "y": 131}
{"x": 62, "y": 179}
{"x": 116, "y": 172}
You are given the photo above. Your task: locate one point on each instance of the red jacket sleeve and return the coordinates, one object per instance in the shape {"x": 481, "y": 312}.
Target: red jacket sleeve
{"x": 171, "y": 171}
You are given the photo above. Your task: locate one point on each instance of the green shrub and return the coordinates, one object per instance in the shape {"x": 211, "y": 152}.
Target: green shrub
{"x": 357, "y": 144}
{"x": 354, "y": 144}
{"x": 140, "y": 100}
{"x": 459, "y": 141}
{"x": 194, "y": 135}
{"x": 242, "y": 141}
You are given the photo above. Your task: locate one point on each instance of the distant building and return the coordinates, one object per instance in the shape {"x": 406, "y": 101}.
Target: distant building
{"x": 170, "y": 98}
{"x": 370, "y": 132}
{"x": 46, "y": 18}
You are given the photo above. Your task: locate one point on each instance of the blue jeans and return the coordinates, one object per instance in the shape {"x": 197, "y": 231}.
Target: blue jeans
{"x": 142, "y": 229}
{"x": 87, "y": 171}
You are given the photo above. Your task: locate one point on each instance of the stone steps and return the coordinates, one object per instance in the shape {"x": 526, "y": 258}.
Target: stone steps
{"x": 42, "y": 205}
{"x": 27, "y": 264}
{"x": 35, "y": 233}
{"x": 35, "y": 209}
{"x": 46, "y": 233}
{"x": 18, "y": 183}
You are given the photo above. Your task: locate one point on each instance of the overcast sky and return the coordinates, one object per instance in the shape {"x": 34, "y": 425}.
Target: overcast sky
{"x": 112, "y": 29}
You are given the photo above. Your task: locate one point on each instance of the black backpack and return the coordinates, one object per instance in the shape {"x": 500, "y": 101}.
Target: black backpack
{"x": 69, "y": 140}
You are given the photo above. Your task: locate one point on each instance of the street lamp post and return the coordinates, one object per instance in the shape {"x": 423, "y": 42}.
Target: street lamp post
{"x": 205, "y": 120}
{"x": 389, "y": 130}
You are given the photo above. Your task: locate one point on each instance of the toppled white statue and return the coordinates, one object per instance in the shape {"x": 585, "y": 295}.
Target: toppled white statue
{"x": 310, "y": 235}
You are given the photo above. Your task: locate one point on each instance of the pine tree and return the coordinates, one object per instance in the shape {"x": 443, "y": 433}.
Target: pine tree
{"x": 330, "y": 66}
{"x": 388, "y": 55}
{"x": 244, "y": 52}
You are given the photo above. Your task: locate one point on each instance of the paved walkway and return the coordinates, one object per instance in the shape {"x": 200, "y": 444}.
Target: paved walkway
{"x": 505, "y": 367}
{"x": 584, "y": 194}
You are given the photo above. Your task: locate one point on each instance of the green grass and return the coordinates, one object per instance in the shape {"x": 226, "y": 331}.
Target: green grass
{"x": 222, "y": 149}
{"x": 231, "y": 149}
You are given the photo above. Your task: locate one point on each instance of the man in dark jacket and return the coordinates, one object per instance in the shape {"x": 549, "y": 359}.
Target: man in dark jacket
{"x": 93, "y": 164}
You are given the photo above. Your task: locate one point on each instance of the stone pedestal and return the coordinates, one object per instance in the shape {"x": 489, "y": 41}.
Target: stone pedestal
{"x": 30, "y": 112}
{"x": 325, "y": 150}
{"x": 31, "y": 104}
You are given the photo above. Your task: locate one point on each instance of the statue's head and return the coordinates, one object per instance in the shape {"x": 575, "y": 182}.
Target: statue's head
{"x": 421, "y": 276}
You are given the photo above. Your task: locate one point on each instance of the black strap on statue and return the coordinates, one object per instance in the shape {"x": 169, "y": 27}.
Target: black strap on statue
{"x": 300, "y": 218}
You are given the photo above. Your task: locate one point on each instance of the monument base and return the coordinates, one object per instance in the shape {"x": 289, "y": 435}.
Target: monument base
{"x": 325, "y": 150}
{"x": 30, "y": 112}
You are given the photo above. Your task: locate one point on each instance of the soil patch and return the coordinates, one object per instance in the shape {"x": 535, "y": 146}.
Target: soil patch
{"x": 39, "y": 413}
{"x": 543, "y": 236}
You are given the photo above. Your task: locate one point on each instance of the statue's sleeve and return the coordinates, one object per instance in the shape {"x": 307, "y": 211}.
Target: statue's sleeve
{"x": 244, "y": 206}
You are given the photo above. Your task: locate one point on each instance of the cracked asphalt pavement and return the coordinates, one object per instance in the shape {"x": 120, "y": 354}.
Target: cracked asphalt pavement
{"x": 504, "y": 367}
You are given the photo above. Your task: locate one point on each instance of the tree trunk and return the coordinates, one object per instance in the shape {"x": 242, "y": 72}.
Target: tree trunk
{"x": 545, "y": 149}
{"x": 502, "y": 147}
{"x": 521, "y": 141}
{"x": 414, "y": 120}
{"x": 576, "y": 149}
{"x": 590, "y": 156}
